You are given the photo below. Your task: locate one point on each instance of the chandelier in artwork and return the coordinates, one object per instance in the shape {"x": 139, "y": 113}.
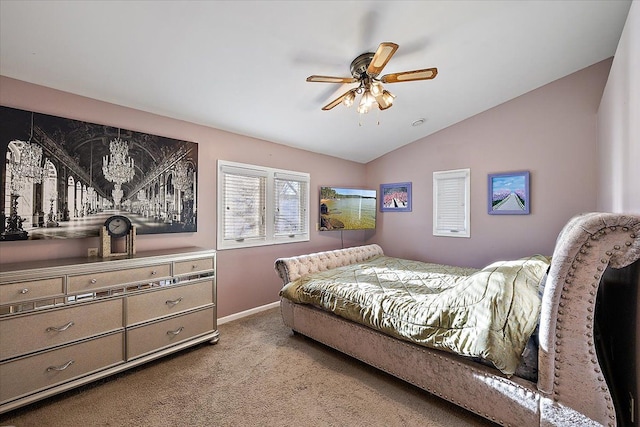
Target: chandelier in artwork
{"x": 183, "y": 179}
{"x": 182, "y": 176}
{"x": 28, "y": 166}
{"x": 117, "y": 166}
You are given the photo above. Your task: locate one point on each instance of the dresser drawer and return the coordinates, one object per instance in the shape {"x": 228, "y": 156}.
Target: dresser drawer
{"x": 87, "y": 282}
{"x": 155, "y": 336}
{"x": 37, "y": 372}
{"x": 32, "y": 332}
{"x": 172, "y": 300}
{"x": 193, "y": 266}
{"x": 31, "y": 289}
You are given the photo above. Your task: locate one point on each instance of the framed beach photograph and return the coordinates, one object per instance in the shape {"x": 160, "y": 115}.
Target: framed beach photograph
{"x": 395, "y": 197}
{"x": 509, "y": 193}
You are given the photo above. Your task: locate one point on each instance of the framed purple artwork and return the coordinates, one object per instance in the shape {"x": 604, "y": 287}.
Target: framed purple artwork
{"x": 395, "y": 197}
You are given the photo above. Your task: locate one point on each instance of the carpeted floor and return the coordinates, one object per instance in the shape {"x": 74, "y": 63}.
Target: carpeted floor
{"x": 259, "y": 374}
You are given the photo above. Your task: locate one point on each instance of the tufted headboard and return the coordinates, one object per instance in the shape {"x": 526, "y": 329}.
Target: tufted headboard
{"x": 291, "y": 268}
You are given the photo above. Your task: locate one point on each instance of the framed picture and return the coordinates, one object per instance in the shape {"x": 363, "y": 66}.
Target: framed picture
{"x": 509, "y": 193}
{"x": 395, "y": 197}
{"x": 62, "y": 178}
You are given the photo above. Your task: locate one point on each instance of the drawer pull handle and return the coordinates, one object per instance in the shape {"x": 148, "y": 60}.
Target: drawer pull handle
{"x": 194, "y": 266}
{"x": 173, "y": 302}
{"x": 24, "y": 291}
{"x": 94, "y": 281}
{"x": 61, "y": 367}
{"x": 60, "y": 328}
{"x": 176, "y": 332}
{"x": 153, "y": 272}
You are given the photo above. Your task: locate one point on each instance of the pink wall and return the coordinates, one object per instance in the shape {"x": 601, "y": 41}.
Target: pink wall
{"x": 550, "y": 132}
{"x": 246, "y": 278}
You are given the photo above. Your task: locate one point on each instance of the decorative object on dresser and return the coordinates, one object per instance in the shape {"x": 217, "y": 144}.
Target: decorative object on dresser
{"x": 68, "y": 322}
{"x": 114, "y": 228}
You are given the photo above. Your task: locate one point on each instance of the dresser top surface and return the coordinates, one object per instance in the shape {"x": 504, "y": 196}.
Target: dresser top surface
{"x": 108, "y": 263}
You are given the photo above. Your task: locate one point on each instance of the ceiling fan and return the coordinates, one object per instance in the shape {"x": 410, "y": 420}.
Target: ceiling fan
{"x": 365, "y": 70}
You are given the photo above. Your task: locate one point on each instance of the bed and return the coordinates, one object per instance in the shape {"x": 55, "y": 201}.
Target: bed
{"x": 561, "y": 383}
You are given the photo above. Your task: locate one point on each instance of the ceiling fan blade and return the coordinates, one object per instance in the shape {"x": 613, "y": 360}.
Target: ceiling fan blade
{"x": 336, "y": 101}
{"x": 407, "y": 76}
{"x": 329, "y": 79}
{"x": 382, "y": 56}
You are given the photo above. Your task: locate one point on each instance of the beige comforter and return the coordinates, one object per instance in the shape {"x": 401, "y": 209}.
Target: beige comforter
{"x": 488, "y": 313}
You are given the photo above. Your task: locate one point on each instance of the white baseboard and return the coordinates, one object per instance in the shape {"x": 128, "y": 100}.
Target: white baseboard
{"x": 246, "y": 313}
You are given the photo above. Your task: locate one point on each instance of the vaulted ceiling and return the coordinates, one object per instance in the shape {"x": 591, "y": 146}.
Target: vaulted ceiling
{"x": 241, "y": 66}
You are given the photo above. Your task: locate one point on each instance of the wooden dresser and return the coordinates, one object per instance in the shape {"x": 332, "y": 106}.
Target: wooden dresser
{"x": 64, "y": 323}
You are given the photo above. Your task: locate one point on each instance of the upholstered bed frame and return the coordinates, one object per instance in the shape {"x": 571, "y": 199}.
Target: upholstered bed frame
{"x": 571, "y": 389}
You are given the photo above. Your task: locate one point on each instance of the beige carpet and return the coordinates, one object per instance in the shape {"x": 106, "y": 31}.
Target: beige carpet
{"x": 259, "y": 374}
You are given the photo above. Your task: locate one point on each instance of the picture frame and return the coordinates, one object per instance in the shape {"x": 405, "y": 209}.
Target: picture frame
{"x": 62, "y": 178}
{"x": 395, "y": 197}
{"x": 508, "y": 193}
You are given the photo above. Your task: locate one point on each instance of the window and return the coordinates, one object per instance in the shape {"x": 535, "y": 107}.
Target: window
{"x": 261, "y": 206}
{"x": 451, "y": 207}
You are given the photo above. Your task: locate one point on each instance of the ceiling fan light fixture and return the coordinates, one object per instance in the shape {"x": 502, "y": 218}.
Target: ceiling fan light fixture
{"x": 388, "y": 97}
{"x": 385, "y": 100}
{"x": 366, "y": 102}
{"x": 376, "y": 89}
{"x": 349, "y": 98}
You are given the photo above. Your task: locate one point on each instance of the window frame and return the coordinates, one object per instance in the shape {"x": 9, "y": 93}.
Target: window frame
{"x": 438, "y": 179}
{"x": 270, "y": 236}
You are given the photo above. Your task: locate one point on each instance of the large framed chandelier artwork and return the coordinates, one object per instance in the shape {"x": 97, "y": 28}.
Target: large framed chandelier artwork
{"x": 62, "y": 178}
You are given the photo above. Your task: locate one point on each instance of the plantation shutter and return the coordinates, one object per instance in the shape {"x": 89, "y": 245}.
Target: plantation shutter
{"x": 451, "y": 211}
{"x": 291, "y": 201}
{"x": 244, "y": 204}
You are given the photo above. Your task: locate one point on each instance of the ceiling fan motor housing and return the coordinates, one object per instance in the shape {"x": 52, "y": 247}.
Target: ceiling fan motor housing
{"x": 360, "y": 64}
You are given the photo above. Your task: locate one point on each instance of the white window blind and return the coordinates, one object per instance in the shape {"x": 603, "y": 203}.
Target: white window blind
{"x": 244, "y": 206}
{"x": 291, "y": 216}
{"x": 261, "y": 206}
{"x": 451, "y": 209}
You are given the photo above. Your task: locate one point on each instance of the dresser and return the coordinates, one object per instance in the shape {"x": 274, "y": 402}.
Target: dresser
{"x": 67, "y": 322}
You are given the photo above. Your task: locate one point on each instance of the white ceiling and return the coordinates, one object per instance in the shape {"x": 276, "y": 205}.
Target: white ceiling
{"x": 241, "y": 66}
